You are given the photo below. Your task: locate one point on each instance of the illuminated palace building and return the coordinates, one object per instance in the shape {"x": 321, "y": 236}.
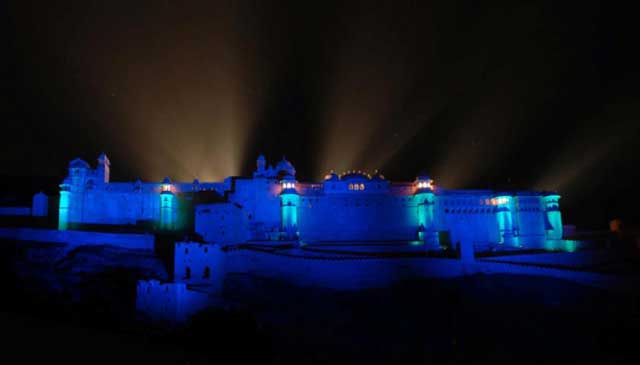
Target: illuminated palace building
{"x": 272, "y": 206}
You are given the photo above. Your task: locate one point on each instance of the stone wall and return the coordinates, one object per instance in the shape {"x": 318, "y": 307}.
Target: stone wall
{"x": 222, "y": 223}
{"x": 15, "y": 211}
{"x": 354, "y": 274}
{"x": 169, "y": 302}
{"x": 125, "y": 240}
{"x": 198, "y": 263}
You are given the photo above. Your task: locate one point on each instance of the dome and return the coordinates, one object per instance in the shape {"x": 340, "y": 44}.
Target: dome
{"x": 79, "y": 163}
{"x": 285, "y": 166}
{"x": 331, "y": 176}
{"x": 166, "y": 180}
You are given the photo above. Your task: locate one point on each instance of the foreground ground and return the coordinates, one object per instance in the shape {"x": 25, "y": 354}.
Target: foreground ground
{"x": 72, "y": 315}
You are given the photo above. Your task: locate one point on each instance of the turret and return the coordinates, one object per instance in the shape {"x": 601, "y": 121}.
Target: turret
{"x": 71, "y": 193}
{"x": 64, "y": 205}
{"x": 40, "y": 205}
{"x": 284, "y": 168}
{"x": 78, "y": 173}
{"x": 104, "y": 168}
{"x": 504, "y": 216}
{"x": 261, "y": 164}
{"x": 553, "y": 217}
{"x": 425, "y": 200}
{"x": 168, "y": 206}
{"x": 289, "y": 201}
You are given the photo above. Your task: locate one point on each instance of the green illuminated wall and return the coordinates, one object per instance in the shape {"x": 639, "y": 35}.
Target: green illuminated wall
{"x": 425, "y": 210}
{"x": 425, "y": 216}
{"x": 504, "y": 218}
{"x": 553, "y": 217}
{"x": 168, "y": 210}
{"x": 290, "y": 202}
{"x": 63, "y": 210}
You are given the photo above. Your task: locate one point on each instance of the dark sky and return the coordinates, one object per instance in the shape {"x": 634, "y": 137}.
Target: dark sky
{"x": 507, "y": 94}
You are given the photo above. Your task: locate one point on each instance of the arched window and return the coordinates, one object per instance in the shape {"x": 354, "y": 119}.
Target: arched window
{"x": 187, "y": 273}
{"x": 207, "y": 273}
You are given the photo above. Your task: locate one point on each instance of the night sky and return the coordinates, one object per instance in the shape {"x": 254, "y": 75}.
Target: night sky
{"x": 503, "y": 95}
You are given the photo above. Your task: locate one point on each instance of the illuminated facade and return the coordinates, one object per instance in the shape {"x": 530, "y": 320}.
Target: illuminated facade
{"x": 272, "y": 206}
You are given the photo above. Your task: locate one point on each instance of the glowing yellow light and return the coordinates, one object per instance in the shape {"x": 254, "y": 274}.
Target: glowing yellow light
{"x": 498, "y": 201}
{"x": 356, "y": 187}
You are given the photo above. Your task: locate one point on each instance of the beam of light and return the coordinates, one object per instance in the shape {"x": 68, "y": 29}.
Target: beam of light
{"x": 373, "y": 70}
{"x": 381, "y": 98}
{"x": 180, "y": 89}
{"x": 477, "y": 143}
{"x": 352, "y": 120}
{"x": 492, "y": 117}
{"x": 589, "y": 147}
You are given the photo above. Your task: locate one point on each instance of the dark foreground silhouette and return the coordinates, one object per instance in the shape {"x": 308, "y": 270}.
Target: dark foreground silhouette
{"x": 62, "y": 314}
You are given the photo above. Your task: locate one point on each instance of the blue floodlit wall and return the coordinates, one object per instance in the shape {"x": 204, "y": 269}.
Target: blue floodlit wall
{"x": 170, "y": 302}
{"x": 125, "y": 240}
{"x": 353, "y": 206}
{"x": 40, "y": 205}
{"x": 530, "y": 218}
{"x": 259, "y": 199}
{"x": 467, "y": 216}
{"x": 87, "y": 196}
{"x": 357, "y": 218}
{"x": 225, "y": 223}
{"x": 199, "y": 264}
{"x": 15, "y": 211}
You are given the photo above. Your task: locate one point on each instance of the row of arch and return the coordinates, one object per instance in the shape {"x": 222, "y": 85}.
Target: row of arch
{"x": 484, "y": 210}
{"x": 470, "y": 210}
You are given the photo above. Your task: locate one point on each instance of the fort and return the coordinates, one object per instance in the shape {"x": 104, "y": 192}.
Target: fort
{"x": 273, "y": 206}
{"x": 350, "y": 231}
